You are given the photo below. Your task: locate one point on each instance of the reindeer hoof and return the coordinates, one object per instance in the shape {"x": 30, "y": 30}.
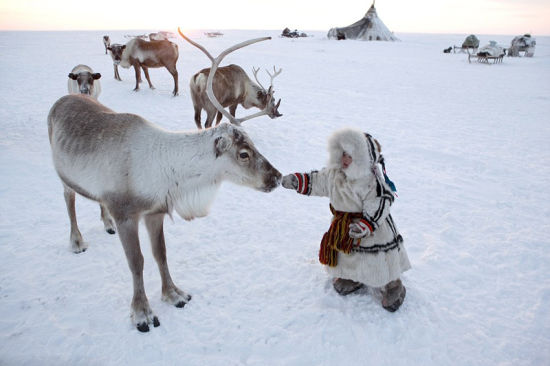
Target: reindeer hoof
{"x": 143, "y": 327}
{"x": 180, "y": 304}
{"x": 79, "y": 249}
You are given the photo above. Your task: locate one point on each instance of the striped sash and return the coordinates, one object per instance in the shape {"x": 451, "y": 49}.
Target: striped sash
{"x": 337, "y": 237}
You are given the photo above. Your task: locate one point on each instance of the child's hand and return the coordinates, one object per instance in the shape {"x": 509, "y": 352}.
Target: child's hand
{"x": 359, "y": 229}
{"x": 290, "y": 182}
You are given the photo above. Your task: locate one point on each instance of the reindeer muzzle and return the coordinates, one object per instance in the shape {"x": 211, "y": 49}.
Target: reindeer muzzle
{"x": 273, "y": 181}
{"x": 275, "y": 112}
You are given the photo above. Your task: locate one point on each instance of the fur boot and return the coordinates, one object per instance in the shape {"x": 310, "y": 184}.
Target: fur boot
{"x": 393, "y": 295}
{"x": 345, "y": 287}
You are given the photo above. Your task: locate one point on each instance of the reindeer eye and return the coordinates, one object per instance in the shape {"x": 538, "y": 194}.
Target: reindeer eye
{"x": 244, "y": 155}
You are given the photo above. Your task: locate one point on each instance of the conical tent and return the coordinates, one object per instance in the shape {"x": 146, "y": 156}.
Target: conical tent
{"x": 369, "y": 28}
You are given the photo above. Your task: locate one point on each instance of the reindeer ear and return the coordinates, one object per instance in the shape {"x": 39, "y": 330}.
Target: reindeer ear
{"x": 96, "y": 76}
{"x": 73, "y": 76}
{"x": 261, "y": 95}
{"x": 222, "y": 144}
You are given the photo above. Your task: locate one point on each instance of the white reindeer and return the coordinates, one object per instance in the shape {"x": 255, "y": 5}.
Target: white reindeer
{"x": 83, "y": 80}
{"x": 138, "y": 170}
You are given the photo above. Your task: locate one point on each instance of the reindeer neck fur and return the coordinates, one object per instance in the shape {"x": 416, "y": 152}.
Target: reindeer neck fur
{"x": 189, "y": 174}
{"x": 130, "y": 48}
{"x": 251, "y": 96}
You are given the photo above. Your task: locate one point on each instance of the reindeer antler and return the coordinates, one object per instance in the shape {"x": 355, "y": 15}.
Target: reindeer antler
{"x": 275, "y": 74}
{"x": 255, "y": 72}
{"x": 215, "y": 63}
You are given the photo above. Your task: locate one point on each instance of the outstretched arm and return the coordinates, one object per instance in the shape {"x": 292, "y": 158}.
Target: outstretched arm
{"x": 314, "y": 183}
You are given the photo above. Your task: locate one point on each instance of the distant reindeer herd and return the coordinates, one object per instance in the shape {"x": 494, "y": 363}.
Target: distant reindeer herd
{"x": 135, "y": 169}
{"x": 231, "y": 84}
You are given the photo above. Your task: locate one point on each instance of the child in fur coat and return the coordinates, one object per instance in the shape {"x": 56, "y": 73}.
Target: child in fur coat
{"x": 362, "y": 245}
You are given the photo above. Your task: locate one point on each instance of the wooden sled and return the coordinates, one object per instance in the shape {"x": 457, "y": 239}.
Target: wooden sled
{"x": 485, "y": 59}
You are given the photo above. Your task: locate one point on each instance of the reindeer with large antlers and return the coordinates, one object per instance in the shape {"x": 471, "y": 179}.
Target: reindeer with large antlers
{"x": 138, "y": 170}
{"x": 231, "y": 87}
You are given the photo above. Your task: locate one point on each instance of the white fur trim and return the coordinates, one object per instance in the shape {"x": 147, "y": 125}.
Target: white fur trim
{"x": 354, "y": 143}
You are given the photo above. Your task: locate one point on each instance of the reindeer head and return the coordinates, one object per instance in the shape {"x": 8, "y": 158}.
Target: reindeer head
{"x": 85, "y": 81}
{"x": 245, "y": 165}
{"x": 116, "y": 52}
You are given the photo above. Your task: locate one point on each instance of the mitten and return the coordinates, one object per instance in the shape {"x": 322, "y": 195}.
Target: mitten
{"x": 360, "y": 229}
{"x": 290, "y": 182}
{"x": 298, "y": 181}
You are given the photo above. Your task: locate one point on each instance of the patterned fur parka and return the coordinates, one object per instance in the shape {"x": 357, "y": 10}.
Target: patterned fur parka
{"x": 379, "y": 257}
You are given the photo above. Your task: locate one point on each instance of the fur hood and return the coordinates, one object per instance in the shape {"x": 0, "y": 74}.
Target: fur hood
{"x": 363, "y": 149}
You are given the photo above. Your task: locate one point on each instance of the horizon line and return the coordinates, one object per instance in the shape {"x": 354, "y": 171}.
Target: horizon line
{"x": 250, "y": 29}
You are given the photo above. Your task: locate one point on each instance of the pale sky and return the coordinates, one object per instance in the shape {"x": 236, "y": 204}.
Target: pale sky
{"x": 510, "y": 17}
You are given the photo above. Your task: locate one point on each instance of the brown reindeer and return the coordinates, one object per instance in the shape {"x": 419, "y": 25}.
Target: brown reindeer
{"x": 231, "y": 87}
{"x": 143, "y": 54}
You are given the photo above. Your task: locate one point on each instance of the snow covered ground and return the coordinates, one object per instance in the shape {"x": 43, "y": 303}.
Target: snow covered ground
{"x": 466, "y": 144}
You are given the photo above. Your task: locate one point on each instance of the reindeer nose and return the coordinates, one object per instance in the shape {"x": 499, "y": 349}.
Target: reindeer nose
{"x": 275, "y": 115}
{"x": 273, "y": 180}
{"x": 277, "y": 178}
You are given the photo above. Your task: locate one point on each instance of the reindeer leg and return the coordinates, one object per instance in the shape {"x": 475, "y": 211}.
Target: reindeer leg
{"x": 170, "y": 292}
{"x": 107, "y": 219}
{"x": 146, "y": 72}
{"x": 174, "y": 72}
{"x": 117, "y": 75}
{"x": 77, "y": 243}
{"x": 218, "y": 118}
{"x": 142, "y": 315}
{"x": 233, "y": 109}
{"x": 210, "y": 114}
{"x": 198, "y": 118}
{"x": 137, "y": 69}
